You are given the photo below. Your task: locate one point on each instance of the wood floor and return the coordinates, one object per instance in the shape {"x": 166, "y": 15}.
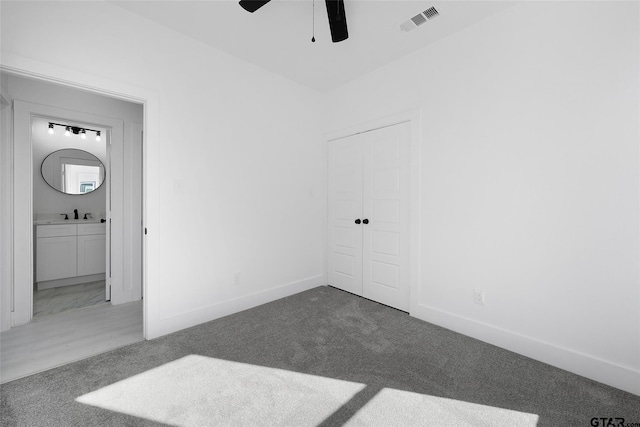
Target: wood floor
{"x": 51, "y": 341}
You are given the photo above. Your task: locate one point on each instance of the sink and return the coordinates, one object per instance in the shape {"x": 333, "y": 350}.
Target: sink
{"x": 65, "y": 221}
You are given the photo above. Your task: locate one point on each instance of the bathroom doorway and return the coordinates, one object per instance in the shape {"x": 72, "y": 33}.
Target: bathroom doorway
{"x": 71, "y": 177}
{"x": 123, "y": 217}
{"x": 117, "y": 319}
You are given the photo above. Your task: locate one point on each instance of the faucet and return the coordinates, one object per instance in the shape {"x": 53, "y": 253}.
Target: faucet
{"x": 75, "y": 214}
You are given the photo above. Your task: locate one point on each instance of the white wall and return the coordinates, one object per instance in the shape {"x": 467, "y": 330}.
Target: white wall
{"x": 238, "y": 217}
{"x": 530, "y": 185}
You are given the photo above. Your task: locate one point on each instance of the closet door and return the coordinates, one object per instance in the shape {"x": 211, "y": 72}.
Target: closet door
{"x": 344, "y": 208}
{"x": 385, "y": 237}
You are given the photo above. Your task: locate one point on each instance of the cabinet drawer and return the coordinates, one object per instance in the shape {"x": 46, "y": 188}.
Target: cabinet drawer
{"x": 93, "y": 228}
{"x": 58, "y": 230}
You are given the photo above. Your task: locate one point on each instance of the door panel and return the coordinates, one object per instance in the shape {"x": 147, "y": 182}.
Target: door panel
{"x": 385, "y": 243}
{"x": 386, "y": 206}
{"x": 345, "y": 206}
{"x": 56, "y": 258}
{"x": 91, "y": 254}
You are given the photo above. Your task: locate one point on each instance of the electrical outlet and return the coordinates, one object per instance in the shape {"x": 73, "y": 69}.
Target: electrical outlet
{"x": 478, "y": 296}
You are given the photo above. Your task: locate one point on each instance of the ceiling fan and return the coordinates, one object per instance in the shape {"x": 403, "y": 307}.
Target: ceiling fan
{"x": 335, "y": 12}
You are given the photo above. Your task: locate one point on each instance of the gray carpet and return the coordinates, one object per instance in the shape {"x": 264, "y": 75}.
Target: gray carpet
{"x": 321, "y": 357}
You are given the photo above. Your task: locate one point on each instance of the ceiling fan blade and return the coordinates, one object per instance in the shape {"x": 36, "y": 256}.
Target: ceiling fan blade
{"x": 337, "y": 20}
{"x": 253, "y": 5}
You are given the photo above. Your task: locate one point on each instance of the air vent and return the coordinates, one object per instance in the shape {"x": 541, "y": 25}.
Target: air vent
{"x": 419, "y": 19}
{"x": 431, "y": 13}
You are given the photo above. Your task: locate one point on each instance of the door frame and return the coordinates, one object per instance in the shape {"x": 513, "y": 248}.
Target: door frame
{"x": 23, "y": 114}
{"x": 414, "y": 118}
{"x": 150, "y": 100}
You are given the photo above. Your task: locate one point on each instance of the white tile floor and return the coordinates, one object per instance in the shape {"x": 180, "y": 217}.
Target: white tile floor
{"x": 57, "y": 300}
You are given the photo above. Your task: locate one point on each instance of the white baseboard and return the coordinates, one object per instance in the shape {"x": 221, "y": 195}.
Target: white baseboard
{"x": 70, "y": 281}
{"x": 617, "y": 376}
{"x": 167, "y": 325}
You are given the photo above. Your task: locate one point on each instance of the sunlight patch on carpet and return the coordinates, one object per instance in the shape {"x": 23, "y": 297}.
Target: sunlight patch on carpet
{"x": 404, "y": 408}
{"x": 197, "y": 390}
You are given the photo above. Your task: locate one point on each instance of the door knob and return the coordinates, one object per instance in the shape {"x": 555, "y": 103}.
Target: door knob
{"x": 358, "y": 221}
{"x": 365, "y": 221}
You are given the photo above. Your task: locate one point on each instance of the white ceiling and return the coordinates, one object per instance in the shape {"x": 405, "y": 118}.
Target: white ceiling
{"x": 278, "y": 36}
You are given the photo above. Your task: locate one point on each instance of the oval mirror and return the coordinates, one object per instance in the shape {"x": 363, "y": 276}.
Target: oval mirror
{"x": 72, "y": 171}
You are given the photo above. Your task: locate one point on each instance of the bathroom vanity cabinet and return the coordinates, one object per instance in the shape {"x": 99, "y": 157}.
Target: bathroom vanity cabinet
{"x": 70, "y": 250}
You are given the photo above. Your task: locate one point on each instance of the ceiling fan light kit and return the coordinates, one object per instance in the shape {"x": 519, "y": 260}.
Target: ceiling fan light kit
{"x": 335, "y": 13}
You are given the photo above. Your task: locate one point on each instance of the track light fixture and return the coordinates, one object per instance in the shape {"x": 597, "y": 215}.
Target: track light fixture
{"x": 68, "y": 130}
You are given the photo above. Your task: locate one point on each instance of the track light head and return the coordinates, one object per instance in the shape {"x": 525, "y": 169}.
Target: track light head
{"x": 67, "y": 131}
{"x": 50, "y": 129}
{"x": 83, "y": 134}
{"x": 98, "y": 136}
{"x": 253, "y": 5}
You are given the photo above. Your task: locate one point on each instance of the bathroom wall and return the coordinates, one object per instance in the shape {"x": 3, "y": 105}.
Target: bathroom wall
{"x": 45, "y": 199}
{"x": 48, "y": 202}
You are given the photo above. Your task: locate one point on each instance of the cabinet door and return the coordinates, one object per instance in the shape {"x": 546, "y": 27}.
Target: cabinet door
{"x": 55, "y": 258}
{"x": 91, "y": 254}
{"x": 344, "y": 253}
{"x": 385, "y": 238}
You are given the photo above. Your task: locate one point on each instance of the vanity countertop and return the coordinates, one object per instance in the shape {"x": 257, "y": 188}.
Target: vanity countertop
{"x": 65, "y": 221}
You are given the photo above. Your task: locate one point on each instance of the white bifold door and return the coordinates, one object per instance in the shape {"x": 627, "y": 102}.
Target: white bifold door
{"x": 368, "y": 222}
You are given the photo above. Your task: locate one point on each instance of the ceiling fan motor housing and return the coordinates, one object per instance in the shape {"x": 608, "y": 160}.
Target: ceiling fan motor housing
{"x": 335, "y": 12}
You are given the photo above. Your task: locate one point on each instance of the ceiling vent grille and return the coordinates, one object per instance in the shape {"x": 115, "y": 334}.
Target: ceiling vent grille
{"x": 419, "y": 19}
{"x": 431, "y": 13}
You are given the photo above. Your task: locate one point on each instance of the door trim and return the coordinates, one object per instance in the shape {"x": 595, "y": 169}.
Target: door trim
{"x": 23, "y": 114}
{"x": 414, "y": 117}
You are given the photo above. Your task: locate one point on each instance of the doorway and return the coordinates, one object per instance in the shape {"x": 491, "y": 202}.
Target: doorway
{"x": 123, "y": 210}
{"x": 70, "y": 190}
{"x": 120, "y": 124}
